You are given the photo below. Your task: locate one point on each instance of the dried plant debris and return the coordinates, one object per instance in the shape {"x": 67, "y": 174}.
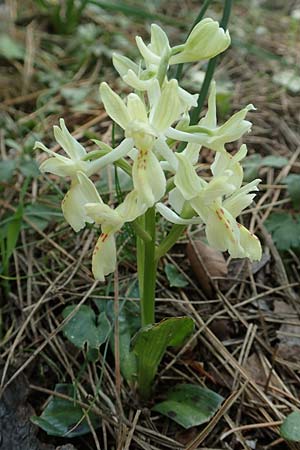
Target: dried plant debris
{"x": 206, "y": 263}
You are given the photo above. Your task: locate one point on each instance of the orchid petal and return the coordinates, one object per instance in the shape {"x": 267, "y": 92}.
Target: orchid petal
{"x": 117, "y": 153}
{"x": 172, "y": 217}
{"x": 136, "y": 108}
{"x": 122, "y": 64}
{"x": 149, "y": 56}
{"x": 250, "y": 244}
{"x": 103, "y": 214}
{"x": 187, "y": 100}
{"x": 81, "y": 192}
{"x": 176, "y": 200}
{"x": 104, "y": 258}
{"x": 58, "y": 167}
{"x": 206, "y": 40}
{"x": 131, "y": 207}
{"x": 148, "y": 178}
{"x": 222, "y": 233}
{"x": 159, "y": 40}
{"x": 186, "y": 178}
{"x": 191, "y": 152}
{"x": 134, "y": 81}
{"x": 167, "y": 109}
{"x": 210, "y": 119}
{"x": 114, "y": 106}
{"x": 73, "y": 149}
{"x": 166, "y": 152}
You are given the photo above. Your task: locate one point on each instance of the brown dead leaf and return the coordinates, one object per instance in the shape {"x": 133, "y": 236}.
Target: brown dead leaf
{"x": 288, "y": 334}
{"x": 222, "y": 328}
{"x": 255, "y": 369}
{"x": 186, "y": 436}
{"x": 206, "y": 263}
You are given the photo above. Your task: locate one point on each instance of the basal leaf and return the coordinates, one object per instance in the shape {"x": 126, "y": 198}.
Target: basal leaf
{"x": 29, "y": 168}
{"x": 83, "y": 328}
{"x": 150, "y": 344}
{"x": 251, "y": 166}
{"x": 293, "y": 185}
{"x": 285, "y": 230}
{"x": 129, "y": 324}
{"x": 7, "y": 168}
{"x": 274, "y": 161}
{"x": 63, "y": 417}
{"x": 189, "y": 405}
{"x": 41, "y": 215}
{"x": 175, "y": 278}
{"x": 290, "y": 429}
{"x": 10, "y": 48}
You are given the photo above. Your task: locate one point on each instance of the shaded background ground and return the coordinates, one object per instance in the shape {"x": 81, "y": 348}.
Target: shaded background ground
{"x": 247, "y": 339}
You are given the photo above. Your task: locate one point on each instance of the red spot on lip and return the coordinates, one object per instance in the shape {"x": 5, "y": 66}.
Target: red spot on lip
{"x": 103, "y": 237}
{"x": 219, "y": 215}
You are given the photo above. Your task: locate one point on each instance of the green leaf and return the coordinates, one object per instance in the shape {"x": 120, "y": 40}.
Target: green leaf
{"x": 293, "y": 185}
{"x": 189, "y": 405}
{"x": 150, "y": 344}
{"x": 175, "y": 278}
{"x": 10, "y": 49}
{"x": 7, "y": 168}
{"x": 251, "y": 166}
{"x": 285, "y": 230}
{"x": 129, "y": 324}
{"x": 40, "y": 215}
{"x": 274, "y": 161}
{"x": 29, "y": 168}
{"x": 290, "y": 429}
{"x": 82, "y": 328}
{"x": 61, "y": 416}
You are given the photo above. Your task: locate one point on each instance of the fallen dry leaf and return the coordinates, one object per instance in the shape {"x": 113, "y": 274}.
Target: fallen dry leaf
{"x": 206, "y": 263}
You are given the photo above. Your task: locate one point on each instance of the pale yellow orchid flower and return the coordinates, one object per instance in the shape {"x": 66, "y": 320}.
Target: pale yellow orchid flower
{"x": 145, "y": 129}
{"x": 217, "y": 204}
{"x": 206, "y": 40}
{"x": 208, "y": 133}
{"x": 77, "y": 159}
{"x": 111, "y": 221}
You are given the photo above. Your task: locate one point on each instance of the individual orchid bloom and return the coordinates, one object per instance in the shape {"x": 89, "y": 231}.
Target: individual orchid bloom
{"x": 205, "y": 41}
{"x": 82, "y": 191}
{"x": 61, "y": 165}
{"x": 111, "y": 221}
{"x": 145, "y": 128}
{"x": 77, "y": 156}
{"x": 217, "y": 203}
{"x": 154, "y": 55}
{"x": 225, "y": 162}
{"x": 158, "y": 48}
{"x": 208, "y": 133}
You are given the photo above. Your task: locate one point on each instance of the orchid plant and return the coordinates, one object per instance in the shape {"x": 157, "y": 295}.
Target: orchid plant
{"x": 166, "y": 181}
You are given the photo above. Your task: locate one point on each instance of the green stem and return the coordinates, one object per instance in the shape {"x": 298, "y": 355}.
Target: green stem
{"x": 149, "y": 271}
{"x": 210, "y": 68}
{"x": 174, "y": 234}
{"x": 169, "y": 241}
{"x": 140, "y": 231}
